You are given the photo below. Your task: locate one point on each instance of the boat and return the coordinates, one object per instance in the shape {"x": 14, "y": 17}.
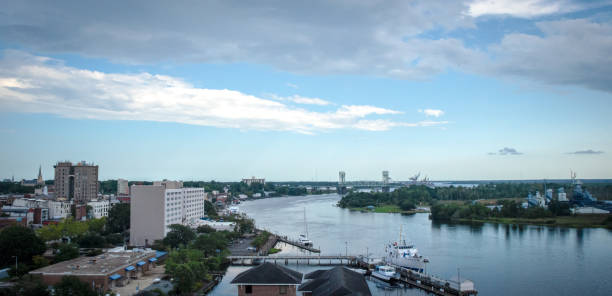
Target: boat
{"x": 303, "y": 239}
{"x": 385, "y": 272}
{"x": 405, "y": 255}
{"x": 358, "y": 270}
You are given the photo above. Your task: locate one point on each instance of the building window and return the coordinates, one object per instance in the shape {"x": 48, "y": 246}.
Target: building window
{"x": 248, "y": 289}
{"x": 282, "y": 290}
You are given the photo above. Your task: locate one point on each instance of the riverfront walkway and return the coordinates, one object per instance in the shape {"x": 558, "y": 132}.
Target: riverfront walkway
{"x": 297, "y": 259}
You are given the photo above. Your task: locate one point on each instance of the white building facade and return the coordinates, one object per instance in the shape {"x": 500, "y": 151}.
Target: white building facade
{"x": 122, "y": 187}
{"x": 153, "y": 208}
{"x": 100, "y": 208}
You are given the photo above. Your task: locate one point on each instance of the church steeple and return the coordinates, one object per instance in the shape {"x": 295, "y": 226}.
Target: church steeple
{"x": 40, "y": 180}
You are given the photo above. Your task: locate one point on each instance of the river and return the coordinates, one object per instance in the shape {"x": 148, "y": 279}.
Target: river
{"x": 500, "y": 259}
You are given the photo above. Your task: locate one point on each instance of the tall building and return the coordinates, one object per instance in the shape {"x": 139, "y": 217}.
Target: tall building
{"x": 122, "y": 187}
{"x": 341, "y": 178}
{"x": 385, "y": 177}
{"x": 78, "y": 183}
{"x": 153, "y": 208}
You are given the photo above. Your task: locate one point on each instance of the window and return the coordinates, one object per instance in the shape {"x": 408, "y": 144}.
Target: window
{"x": 282, "y": 290}
{"x": 248, "y": 289}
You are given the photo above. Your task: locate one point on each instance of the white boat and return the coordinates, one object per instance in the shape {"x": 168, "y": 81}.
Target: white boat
{"x": 304, "y": 237}
{"x": 405, "y": 255}
{"x": 385, "y": 273}
{"x": 358, "y": 270}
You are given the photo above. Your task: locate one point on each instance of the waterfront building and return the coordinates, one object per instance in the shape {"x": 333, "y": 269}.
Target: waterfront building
{"x": 102, "y": 272}
{"x": 76, "y": 182}
{"x": 153, "y": 208}
{"x": 267, "y": 279}
{"x": 254, "y": 180}
{"x": 336, "y": 281}
{"x": 122, "y": 187}
{"x": 99, "y": 208}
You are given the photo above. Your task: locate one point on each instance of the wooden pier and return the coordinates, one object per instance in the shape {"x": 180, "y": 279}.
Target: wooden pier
{"x": 431, "y": 283}
{"x": 296, "y": 244}
{"x": 297, "y": 259}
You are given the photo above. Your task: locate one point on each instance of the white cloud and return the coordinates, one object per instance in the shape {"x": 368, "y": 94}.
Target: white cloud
{"x": 292, "y": 85}
{"x": 432, "y": 112}
{"x": 301, "y": 100}
{"x": 33, "y": 84}
{"x": 519, "y": 8}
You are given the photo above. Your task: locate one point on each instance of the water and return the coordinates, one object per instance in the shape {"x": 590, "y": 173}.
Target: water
{"x": 500, "y": 259}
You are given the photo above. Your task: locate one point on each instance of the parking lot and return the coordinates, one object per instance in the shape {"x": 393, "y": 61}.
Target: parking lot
{"x": 144, "y": 283}
{"x": 241, "y": 247}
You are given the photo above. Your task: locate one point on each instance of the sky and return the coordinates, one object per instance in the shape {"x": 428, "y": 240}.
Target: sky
{"x": 299, "y": 90}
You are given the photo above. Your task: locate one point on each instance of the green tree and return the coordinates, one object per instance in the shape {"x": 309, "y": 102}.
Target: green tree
{"x": 209, "y": 209}
{"x": 91, "y": 240}
{"x": 28, "y": 285}
{"x": 21, "y": 242}
{"x": 205, "y": 229}
{"x": 210, "y": 243}
{"x": 119, "y": 218}
{"x": 97, "y": 225}
{"x": 72, "y": 286}
{"x": 179, "y": 235}
{"x": 50, "y": 232}
{"x": 66, "y": 252}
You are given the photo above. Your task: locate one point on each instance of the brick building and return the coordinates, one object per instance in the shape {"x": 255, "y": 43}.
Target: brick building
{"x": 267, "y": 279}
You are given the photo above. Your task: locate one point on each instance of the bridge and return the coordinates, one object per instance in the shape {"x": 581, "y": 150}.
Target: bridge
{"x": 297, "y": 259}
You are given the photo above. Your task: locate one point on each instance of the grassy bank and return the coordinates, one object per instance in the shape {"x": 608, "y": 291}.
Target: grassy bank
{"x": 577, "y": 221}
{"x": 386, "y": 209}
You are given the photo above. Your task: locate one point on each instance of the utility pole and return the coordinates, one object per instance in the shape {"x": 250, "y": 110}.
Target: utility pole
{"x": 346, "y": 248}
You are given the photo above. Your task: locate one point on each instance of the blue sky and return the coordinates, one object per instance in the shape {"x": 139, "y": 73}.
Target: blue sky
{"x": 224, "y": 90}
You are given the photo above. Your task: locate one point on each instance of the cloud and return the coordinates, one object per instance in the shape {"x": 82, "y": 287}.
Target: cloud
{"x": 505, "y": 151}
{"x": 432, "y": 112}
{"x": 41, "y": 85}
{"x": 586, "y": 152}
{"x": 519, "y": 8}
{"x": 302, "y": 100}
{"x": 375, "y": 38}
{"x": 567, "y": 52}
{"x": 295, "y": 86}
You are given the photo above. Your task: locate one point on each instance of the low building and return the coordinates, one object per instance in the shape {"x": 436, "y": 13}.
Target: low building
{"x": 268, "y": 279}
{"x": 254, "y": 180}
{"x": 216, "y": 225}
{"x": 102, "y": 272}
{"x": 99, "y": 208}
{"x": 336, "y": 281}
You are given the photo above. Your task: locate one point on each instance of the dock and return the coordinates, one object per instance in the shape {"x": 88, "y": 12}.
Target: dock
{"x": 433, "y": 284}
{"x": 296, "y": 244}
{"x": 297, "y": 259}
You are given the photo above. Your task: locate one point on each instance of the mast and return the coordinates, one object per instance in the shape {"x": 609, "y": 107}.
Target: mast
{"x": 305, "y": 223}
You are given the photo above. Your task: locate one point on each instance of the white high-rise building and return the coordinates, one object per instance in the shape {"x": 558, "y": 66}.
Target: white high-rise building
{"x": 153, "y": 208}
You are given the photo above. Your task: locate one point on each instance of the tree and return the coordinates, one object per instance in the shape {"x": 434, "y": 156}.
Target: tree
{"x": 50, "y": 232}
{"x": 66, "y": 252}
{"x": 21, "y": 242}
{"x": 209, "y": 209}
{"x": 187, "y": 267}
{"x": 179, "y": 235}
{"x": 28, "y": 286}
{"x": 205, "y": 229}
{"x": 119, "y": 218}
{"x": 97, "y": 225}
{"x": 72, "y": 286}
{"x": 210, "y": 243}
{"x": 91, "y": 240}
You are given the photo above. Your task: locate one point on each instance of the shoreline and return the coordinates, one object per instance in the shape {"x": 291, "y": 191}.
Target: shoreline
{"x": 580, "y": 221}
{"x": 387, "y": 209}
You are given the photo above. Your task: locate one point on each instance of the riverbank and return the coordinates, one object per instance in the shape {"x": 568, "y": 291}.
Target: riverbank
{"x": 389, "y": 209}
{"x": 576, "y": 221}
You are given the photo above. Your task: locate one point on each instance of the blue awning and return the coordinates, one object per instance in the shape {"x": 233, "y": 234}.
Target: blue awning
{"x": 141, "y": 263}
{"x": 152, "y": 259}
{"x": 114, "y": 276}
{"x": 160, "y": 254}
{"x": 129, "y": 268}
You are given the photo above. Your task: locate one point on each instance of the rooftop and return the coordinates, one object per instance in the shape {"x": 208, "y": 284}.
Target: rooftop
{"x": 269, "y": 274}
{"x": 337, "y": 281}
{"x": 103, "y": 264}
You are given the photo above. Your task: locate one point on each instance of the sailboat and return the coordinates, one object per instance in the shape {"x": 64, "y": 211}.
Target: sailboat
{"x": 304, "y": 237}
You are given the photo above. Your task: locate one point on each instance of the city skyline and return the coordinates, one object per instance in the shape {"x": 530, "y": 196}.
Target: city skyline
{"x": 471, "y": 90}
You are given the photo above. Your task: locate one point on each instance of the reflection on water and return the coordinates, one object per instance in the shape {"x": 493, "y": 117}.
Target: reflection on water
{"x": 501, "y": 259}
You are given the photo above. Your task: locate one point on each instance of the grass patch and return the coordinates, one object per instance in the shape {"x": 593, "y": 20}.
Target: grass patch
{"x": 274, "y": 251}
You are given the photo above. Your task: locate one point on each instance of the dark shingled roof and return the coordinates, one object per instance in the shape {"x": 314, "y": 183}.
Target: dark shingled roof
{"x": 269, "y": 273}
{"x": 338, "y": 281}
